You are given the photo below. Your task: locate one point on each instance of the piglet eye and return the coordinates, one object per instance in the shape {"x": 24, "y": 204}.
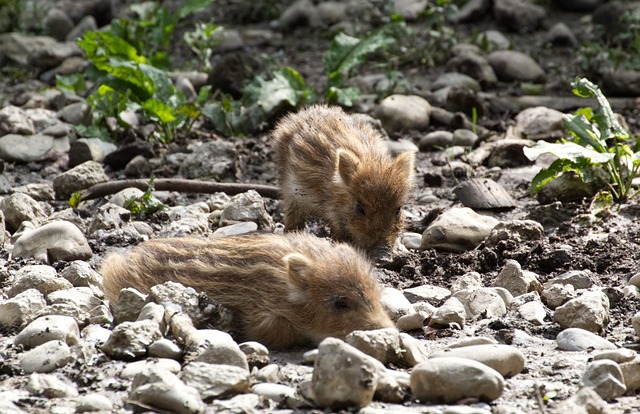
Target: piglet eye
{"x": 360, "y": 209}
{"x": 340, "y": 303}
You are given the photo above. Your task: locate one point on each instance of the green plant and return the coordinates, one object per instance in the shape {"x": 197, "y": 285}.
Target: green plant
{"x": 202, "y": 40}
{"x": 144, "y": 205}
{"x": 10, "y": 11}
{"x": 597, "y": 140}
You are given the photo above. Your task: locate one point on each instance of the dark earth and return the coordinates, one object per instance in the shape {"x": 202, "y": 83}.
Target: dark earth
{"x": 608, "y": 247}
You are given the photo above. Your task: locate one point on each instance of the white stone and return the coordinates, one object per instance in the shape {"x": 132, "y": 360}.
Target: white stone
{"x": 403, "y": 112}
{"x": 576, "y": 339}
{"x": 275, "y": 392}
{"x": 134, "y": 368}
{"x": 21, "y": 309}
{"x": 221, "y": 349}
{"x": 605, "y": 377}
{"x": 457, "y": 229}
{"x": 452, "y": 311}
{"x": 49, "y": 328}
{"x": 395, "y": 303}
{"x": 588, "y": 311}
{"x": 505, "y": 359}
{"x": 382, "y": 344}
{"x": 51, "y": 386}
{"x": 55, "y": 241}
{"x": 46, "y": 357}
{"x": 41, "y": 277}
{"x": 515, "y": 280}
{"x": 19, "y": 207}
{"x": 130, "y": 340}
{"x": 164, "y": 390}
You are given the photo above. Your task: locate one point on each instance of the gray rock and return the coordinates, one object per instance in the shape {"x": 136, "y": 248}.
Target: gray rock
{"x": 184, "y": 297}
{"x": 57, "y": 23}
{"x": 78, "y": 297}
{"x": 300, "y": 14}
{"x": 221, "y": 349}
{"x": 457, "y": 229}
{"x": 621, "y": 82}
{"x": 605, "y": 378}
{"x": 451, "y": 312}
{"x": 482, "y": 193}
{"x": 165, "y": 348}
{"x": 510, "y": 65}
{"x": 450, "y": 379}
{"x": 139, "y": 166}
{"x": 585, "y": 401}
{"x": 184, "y": 85}
{"x": 473, "y": 65}
{"x": 576, "y": 339}
{"x": 213, "y": 159}
{"x": 247, "y": 206}
{"x": 472, "y": 341}
{"x": 331, "y": 12}
{"x": 51, "y": 386}
{"x": 257, "y": 354}
{"x": 579, "y": 279}
{"x": 395, "y": 303}
{"x": 130, "y": 303}
{"x": 130, "y": 340}
{"x": 634, "y": 280}
{"x": 382, "y": 344}
{"x": 214, "y": 380}
{"x": 410, "y": 9}
{"x": 470, "y": 280}
{"x": 86, "y": 24}
{"x": 455, "y": 79}
{"x": 17, "y": 311}
{"x": 108, "y": 217}
{"x": 18, "y": 47}
{"x": 80, "y": 274}
{"x": 37, "y": 191}
{"x": 162, "y": 389}
{"x": 89, "y": 149}
{"x": 19, "y": 207}
{"x": 533, "y": 312}
{"x": 344, "y": 376}
{"x": 558, "y": 294}
{"x": 138, "y": 367}
{"x": 619, "y": 356}
{"x": 56, "y": 241}
{"x": 414, "y": 321}
{"x": 275, "y": 392}
{"x": 436, "y": 140}
{"x": 472, "y": 11}
{"x": 578, "y": 5}
{"x": 516, "y": 280}
{"x": 505, "y": 359}
{"x": 483, "y": 303}
{"x": 236, "y": 229}
{"x": 93, "y": 402}
{"x": 519, "y": 16}
{"x": 539, "y": 123}
{"x": 49, "y": 57}
{"x": 464, "y": 137}
{"x": 403, "y": 112}
{"x": 635, "y": 323}
{"x": 78, "y": 178}
{"x": 427, "y": 293}
{"x": 508, "y": 153}
{"x": 46, "y": 357}
{"x": 15, "y": 120}
{"x": 518, "y": 231}
{"x": 569, "y": 187}
{"x": 561, "y": 35}
{"x": 411, "y": 240}
{"x": 493, "y": 39}
{"x": 40, "y": 277}
{"x": 631, "y": 373}
{"x": 588, "y": 311}
{"x": 48, "y": 328}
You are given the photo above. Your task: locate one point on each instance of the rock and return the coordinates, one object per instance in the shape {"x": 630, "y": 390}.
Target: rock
{"x": 518, "y": 231}
{"x": 89, "y": 149}
{"x": 108, "y": 217}
{"x": 621, "y": 82}
{"x": 162, "y": 389}
{"x": 634, "y": 280}
{"x": 80, "y": 274}
{"x": 473, "y": 65}
{"x": 257, "y": 354}
{"x": 130, "y": 340}
{"x": 477, "y": 340}
{"x": 410, "y": 9}
{"x": 236, "y": 229}
{"x": 78, "y": 178}
{"x": 568, "y": 187}
{"x": 382, "y": 344}
{"x": 134, "y": 368}
{"x": 472, "y": 11}
{"x": 533, "y": 312}
{"x": 414, "y": 351}
{"x": 451, "y": 312}
{"x": 93, "y": 402}
{"x": 37, "y": 191}
{"x": 519, "y": 16}
{"x": 588, "y": 311}
{"x": 57, "y": 24}
{"x": 605, "y": 378}
{"x": 576, "y": 339}
{"x": 578, "y": 5}
{"x": 557, "y": 294}
{"x": 19, "y": 47}
{"x": 464, "y": 137}
{"x": 41, "y": 277}
{"x": 508, "y": 153}
{"x": 86, "y": 24}
{"x": 17, "y": 311}
{"x": 46, "y": 357}
{"x": 139, "y": 166}
{"x": 130, "y": 303}
{"x": 344, "y": 376}
{"x": 331, "y": 12}
{"x": 515, "y": 280}
{"x": 221, "y": 349}
{"x": 212, "y": 159}
{"x": 620, "y": 356}
{"x": 49, "y": 328}
{"x": 393, "y": 386}
{"x": 119, "y": 158}
{"x": 56, "y": 241}
{"x": 275, "y": 392}
{"x": 493, "y": 39}
{"x": 301, "y": 13}
{"x": 403, "y": 112}
{"x": 414, "y": 321}
{"x": 469, "y": 280}
{"x": 436, "y": 140}
{"x": 510, "y": 65}
{"x": 635, "y": 323}
{"x": 451, "y": 80}
{"x": 505, "y": 359}
{"x": 450, "y": 379}
{"x": 215, "y": 381}
{"x": 26, "y": 148}
{"x": 631, "y": 373}
{"x": 483, "y": 194}
{"x": 20, "y": 207}
{"x": 50, "y": 386}
{"x": 483, "y": 303}
{"x": 165, "y": 348}
{"x": 16, "y": 121}
{"x": 247, "y": 206}
{"x": 395, "y": 303}
{"x": 427, "y": 293}
{"x": 561, "y": 35}
{"x": 585, "y": 401}
{"x": 579, "y": 279}
{"x": 457, "y": 229}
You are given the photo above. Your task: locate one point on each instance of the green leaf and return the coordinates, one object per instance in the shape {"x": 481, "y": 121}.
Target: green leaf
{"x": 159, "y": 110}
{"x": 287, "y": 88}
{"x": 601, "y": 203}
{"x": 346, "y": 52}
{"x": 74, "y": 83}
{"x": 610, "y": 126}
{"x": 75, "y": 199}
{"x": 584, "y": 132}
{"x": 343, "y": 96}
{"x": 192, "y": 6}
{"x": 567, "y": 150}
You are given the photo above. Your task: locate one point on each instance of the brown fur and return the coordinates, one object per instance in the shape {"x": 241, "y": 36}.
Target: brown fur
{"x": 284, "y": 290}
{"x": 337, "y": 167}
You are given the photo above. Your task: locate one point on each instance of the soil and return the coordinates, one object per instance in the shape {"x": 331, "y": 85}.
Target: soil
{"x": 609, "y": 247}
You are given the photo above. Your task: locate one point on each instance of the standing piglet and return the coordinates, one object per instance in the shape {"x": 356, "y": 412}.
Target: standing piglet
{"x": 337, "y": 167}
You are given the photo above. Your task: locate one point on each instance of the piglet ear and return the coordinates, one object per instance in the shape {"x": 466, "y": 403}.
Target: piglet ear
{"x": 298, "y": 270}
{"x": 347, "y": 165}
{"x": 404, "y": 163}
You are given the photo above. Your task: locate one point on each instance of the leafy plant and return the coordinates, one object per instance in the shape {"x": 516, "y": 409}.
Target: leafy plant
{"x": 202, "y": 40}
{"x": 597, "y": 140}
{"x": 146, "y": 204}
{"x": 10, "y": 11}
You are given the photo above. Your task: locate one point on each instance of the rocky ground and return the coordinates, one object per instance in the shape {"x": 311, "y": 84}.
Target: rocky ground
{"x": 505, "y": 303}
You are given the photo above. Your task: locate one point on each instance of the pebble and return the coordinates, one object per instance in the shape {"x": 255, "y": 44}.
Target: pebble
{"x": 576, "y": 339}
{"x": 403, "y": 112}
{"x": 257, "y": 354}
{"x": 108, "y": 217}
{"x": 275, "y": 392}
{"x": 214, "y": 158}
{"x": 533, "y": 312}
{"x": 50, "y": 386}
{"x": 579, "y": 279}
{"x": 585, "y": 401}
{"x": 414, "y": 321}
{"x": 618, "y": 355}
{"x": 130, "y": 303}
{"x": 464, "y": 138}
{"x": 130, "y": 340}
{"x": 476, "y": 340}
{"x": 78, "y": 178}
{"x": 631, "y": 374}
{"x": 457, "y": 229}
{"x": 469, "y": 280}
{"x": 411, "y": 240}
{"x": 247, "y": 206}
{"x": 494, "y": 39}
{"x": 55, "y": 241}
{"x": 605, "y": 378}
{"x": 635, "y": 323}
{"x": 80, "y": 274}
{"x": 162, "y": 389}
{"x": 165, "y": 348}
{"x": 436, "y": 140}
{"x": 215, "y": 380}
{"x": 511, "y": 65}
{"x": 433, "y": 295}
{"x": 26, "y": 148}
{"x": 473, "y": 64}
{"x": 588, "y": 311}
{"x": 451, "y": 312}
{"x": 221, "y": 349}
{"x": 519, "y": 16}
{"x": 557, "y": 294}
{"x": 236, "y": 229}
{"x": 413, "y": 350}
{"x": 515, "y": 280}
{"x": 395, "y": 303}
{"x": 46, "y": 357}
{"x": 92, "y": 403}
{"x": 343, "y": 376}
{"x": 89, "y": 149}
{"x": 484, "y": 303}
{"x": 21, "y": 309}
{"x": 48, "y": 328}
{"x": 451, "y": 379}
{"x": 382, "y": 344}
{"x": 134, "y": 368}
{"x": 43, "y": 278}
{"x": 19, "y": 207}
{"x": 505, "y": 359}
